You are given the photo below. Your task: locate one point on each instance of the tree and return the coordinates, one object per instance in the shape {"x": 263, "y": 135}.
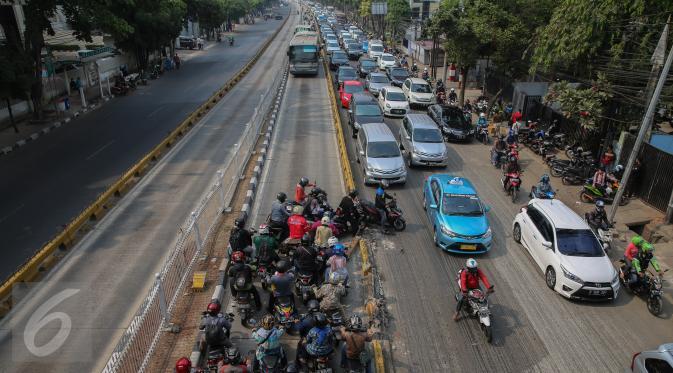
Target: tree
{"x": 583, "y": 105}
{"x": 398, "y": 17}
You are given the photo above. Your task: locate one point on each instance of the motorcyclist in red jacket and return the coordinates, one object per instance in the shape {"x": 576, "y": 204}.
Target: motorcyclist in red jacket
{"x": 299, "y": 194}
{"x": 297, "y": 223}
{"x": 469, "y": 279}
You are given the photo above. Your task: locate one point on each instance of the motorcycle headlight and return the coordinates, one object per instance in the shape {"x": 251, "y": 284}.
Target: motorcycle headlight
{"x": 488, "y": 233}
{"x": 447, "y": 231}
{"x": 569, "y": 275}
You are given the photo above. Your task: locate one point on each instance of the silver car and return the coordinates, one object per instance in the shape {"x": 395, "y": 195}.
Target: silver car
{"x": 659, "y": 360}
{"x": 376, "y": 81}
{"x": 379, "y": 154}
{"x": 422, "y": 141}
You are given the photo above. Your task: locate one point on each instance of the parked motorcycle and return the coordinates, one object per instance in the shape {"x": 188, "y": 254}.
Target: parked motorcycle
{"x": 590, "y": 193}
{"x": 513, "y": 184}
{"x": 477, "y": 307}
{"x": 649, "y": 287}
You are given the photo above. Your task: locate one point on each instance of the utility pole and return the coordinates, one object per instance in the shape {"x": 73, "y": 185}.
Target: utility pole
{"x": 649, "y": 114}
{"x": 657, "y": 63}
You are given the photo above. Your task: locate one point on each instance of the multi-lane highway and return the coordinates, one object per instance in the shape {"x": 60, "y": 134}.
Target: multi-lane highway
{"x": 534, "y": 328}
{"x": 110, "y": 271}
{"x": 49, "y": 182}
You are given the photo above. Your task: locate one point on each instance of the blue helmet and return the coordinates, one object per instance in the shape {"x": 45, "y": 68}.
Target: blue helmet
{"x": 379, "y": 191}
{"x": 339, "y": 249}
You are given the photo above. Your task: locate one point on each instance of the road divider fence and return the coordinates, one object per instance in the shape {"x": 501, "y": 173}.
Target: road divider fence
{"x": 46, "y": 257}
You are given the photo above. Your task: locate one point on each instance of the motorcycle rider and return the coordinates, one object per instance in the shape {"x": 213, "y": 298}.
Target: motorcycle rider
{"x": 347, "y": 206}
{"x": 268, "y": 340}
{"x": 440, "y": 87}
{"x": 354, "y": 339}
{"x": 279, "y": 214}
{"x": 183, "y": 365}
{"x": 282, "y": 283}
{"x": 453, "y": 96}
{"x": 241, "y": 277}
{"x": 266, "y": 246}
{"x": 307, "y": 321}
{"x": 598, "y": 218}
{"x": 240, "y": 238}
{"x": 337, "y": 263}
{"x": 468, "y": 106}
{"x": 216, "y": 326}
{"x": 482, "y": 122}
{"x": 469, "y": 279}
{"x": 499, "y": 147}
{"x": 426, "y": 74}
{"x": 323, "y": 232}
{"x": 381, "y": 205}
{"x": 299, "y": 193}
{"x": 297, "y": 224}
{"x": 599, "y": 180}
{"x": 511, "y": 167}
{"x": 235, "y": 363}
{"x": 319, "y": 340}
{"x": 330, "y": 293}
{"x": 631, "y": 252}
{"x": 543, "y": 187}
{"x": 305, "y": 257}
{"x": 641, "y": 262}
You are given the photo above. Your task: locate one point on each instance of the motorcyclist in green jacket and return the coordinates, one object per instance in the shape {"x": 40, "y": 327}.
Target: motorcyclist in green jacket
{"x": 266, "y": 245}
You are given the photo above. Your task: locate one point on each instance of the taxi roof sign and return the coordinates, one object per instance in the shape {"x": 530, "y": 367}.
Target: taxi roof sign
{"x": 456, "y": 181}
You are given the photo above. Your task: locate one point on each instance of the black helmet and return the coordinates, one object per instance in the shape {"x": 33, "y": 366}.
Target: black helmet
{"x": 240, "y": 282}
{"x": 233, "y": 355}
{"x": 353, "y": 193}
{"x": 320, "y": 319}
{"x": 600, "y": 205}
{"x": 303, "y": 181}
{"x": 283, "y": 266}
{"x": 313, "y": 305}
{"x": 239, "y": 222}
{"x": 306, "y": 239}
{"x": 281, "y": 197}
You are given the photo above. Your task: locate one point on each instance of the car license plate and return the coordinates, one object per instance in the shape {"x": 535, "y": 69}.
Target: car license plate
{"x": 468, "y": 247}
{"x": 597, "y": 292}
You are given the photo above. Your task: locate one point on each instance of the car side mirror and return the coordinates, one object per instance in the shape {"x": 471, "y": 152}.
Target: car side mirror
{"x": 487, "y": 208}
{"x": 546, "y": 244}
{"x": 432, "y": 206}
{"x": 407, "y": 137}
{"x": 362, "y": 152}
{"x": 288, "y": 53}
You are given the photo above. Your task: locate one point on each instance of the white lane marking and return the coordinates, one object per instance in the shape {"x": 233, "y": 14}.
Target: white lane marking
{"x": 150, "y": 115}
{"x": 12, "y": 212}
{"x": 99, "y": 150}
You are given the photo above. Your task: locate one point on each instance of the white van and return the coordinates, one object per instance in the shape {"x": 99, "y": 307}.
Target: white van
{"x": 375, "y": 49}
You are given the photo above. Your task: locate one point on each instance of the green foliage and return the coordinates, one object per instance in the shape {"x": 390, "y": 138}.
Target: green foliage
{"x": 399, "y": 16}
{"x": 584, "y": 105}
{"x": 15, "y": 72}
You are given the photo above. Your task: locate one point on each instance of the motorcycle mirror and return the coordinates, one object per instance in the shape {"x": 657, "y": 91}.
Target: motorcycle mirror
{"x": 487, "y": 208}
{"x": 362, "y": 152}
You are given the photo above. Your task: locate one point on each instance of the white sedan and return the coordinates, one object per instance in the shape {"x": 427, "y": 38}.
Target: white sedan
{"x": 386, "y": 60}
{"x": 566, "y": 250}
{"x": 393, "y": 102}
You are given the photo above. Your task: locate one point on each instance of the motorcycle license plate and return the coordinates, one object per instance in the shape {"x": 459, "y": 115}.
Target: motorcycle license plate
{"x": 597, "y": 292}
{"x": 468, "y": 247}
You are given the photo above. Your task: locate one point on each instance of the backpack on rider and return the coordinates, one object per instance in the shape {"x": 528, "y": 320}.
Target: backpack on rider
{"x": 214, "y": 333}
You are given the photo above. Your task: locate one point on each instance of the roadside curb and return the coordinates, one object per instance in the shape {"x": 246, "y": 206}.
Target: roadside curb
{"x": 222, "y": 279}
{"x": 57, "y": 124}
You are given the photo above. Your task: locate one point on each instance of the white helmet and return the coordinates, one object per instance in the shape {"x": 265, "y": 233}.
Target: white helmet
{"x": 453, "y": 89}
{"x": 332, "y": 241}
{"x": 482, "y": 115}
{"x": 263, "y": 229}
{"x": 324, "y": 220}
{"x": 298, "y": 210}
{"x": 471, "y": 264}
{"x": 425, "y": 69}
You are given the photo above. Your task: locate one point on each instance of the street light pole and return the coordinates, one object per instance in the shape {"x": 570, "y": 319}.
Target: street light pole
{"x": 641, "y": 134}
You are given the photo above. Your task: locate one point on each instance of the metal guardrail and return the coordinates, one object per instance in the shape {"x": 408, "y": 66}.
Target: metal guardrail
{"x": 44, "y": 257}
{"x": 136, "y": 346}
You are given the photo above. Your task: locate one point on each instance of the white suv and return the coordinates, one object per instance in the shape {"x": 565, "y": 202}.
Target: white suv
{"x": 418, "y": 92}
{"x": 566, "y": 250}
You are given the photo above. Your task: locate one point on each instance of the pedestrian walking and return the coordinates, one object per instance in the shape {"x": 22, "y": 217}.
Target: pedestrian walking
{"x": 176, "y": 60}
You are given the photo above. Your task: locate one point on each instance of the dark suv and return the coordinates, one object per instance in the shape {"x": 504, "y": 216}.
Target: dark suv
{"x": 338, "y": 58}
{"x": 397, "y": 75}
{"x": 452, "y": 122}
{"x": 363, "y": 109}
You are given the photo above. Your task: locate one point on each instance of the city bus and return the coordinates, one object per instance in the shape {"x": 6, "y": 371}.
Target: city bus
{"x": 300, "y": 28}
{"x": 303, "y": 53}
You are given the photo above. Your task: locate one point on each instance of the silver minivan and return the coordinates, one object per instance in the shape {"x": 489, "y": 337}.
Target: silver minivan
{"x": 379, "y": 154}
{"x": 422, "y": 142}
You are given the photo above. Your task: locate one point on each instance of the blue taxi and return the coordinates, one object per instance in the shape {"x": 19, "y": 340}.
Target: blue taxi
{"x": 457, "y": 215}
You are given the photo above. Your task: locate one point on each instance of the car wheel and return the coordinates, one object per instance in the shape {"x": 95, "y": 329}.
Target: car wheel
{"x": 550, "y": 278}
{"x": 516, "y": 233}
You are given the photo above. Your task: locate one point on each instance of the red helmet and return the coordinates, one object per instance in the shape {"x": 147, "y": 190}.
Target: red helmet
{"x": 183, "y": 365}
{"x": 214, "y": 308}
{"x": 238, "y": 256}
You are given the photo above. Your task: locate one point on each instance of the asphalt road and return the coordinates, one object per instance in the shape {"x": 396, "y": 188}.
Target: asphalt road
{"x": 303, "y": 144}
{"x": 113, "y": 267}
{"x": 534, "y": 328}
{"x": 48, "y": 182}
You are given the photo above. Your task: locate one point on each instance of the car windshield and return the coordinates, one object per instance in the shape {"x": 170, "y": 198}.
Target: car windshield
{"x": 338, "y": 55}
{"x": 455, "y": 119}
{"x": 376, "y": 48}
{"x": 354, "y": 46}
{"x": 420, "y": 88}
{"x": 383, "y": 149}
{"x": 347, "y": 75}
{"x": 368, "y": 110}
{"x": 395, "y": 96}
{"x": 388, "y": 58}
{"x": 353, "y": 88}
{"x": 428, "y": 135}
{"x": 578, "y": 242}
{"x": 461, "y": 204}
{"x": 333, "y": 45}
{"x": 379, "y": 79}
{"x": 368, "y": 63}
{"x": 399, "y": 74}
